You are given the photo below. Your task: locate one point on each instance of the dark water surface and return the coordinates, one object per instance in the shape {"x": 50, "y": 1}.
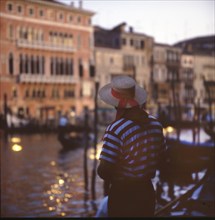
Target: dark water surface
{"x": 41, "y": 181}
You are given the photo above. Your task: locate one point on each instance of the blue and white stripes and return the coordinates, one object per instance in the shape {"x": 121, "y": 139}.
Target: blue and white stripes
{"x": 134, "y": 148}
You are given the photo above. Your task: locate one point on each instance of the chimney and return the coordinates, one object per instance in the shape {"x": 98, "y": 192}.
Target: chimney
{"x": 80, "y": 4}
{"x": 131, "y": 29}
{"x": 72, "y": 4}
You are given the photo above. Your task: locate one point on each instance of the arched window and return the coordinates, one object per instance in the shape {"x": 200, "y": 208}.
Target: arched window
{"x": 57, "y": 66}
{"x": 91, "y": 69}
{"x": 61, "y": 67}
{"x": 19, "y": 9}
{"x": 43, "y": 65}
{"x": 64, "y": 67}
{"x": 51, "y": 36}
{"x": 38, "y": 65}
{"x": 52, "y": 65}
{"x": 10, "y": 63}
{"x": 32, "y": 65}
{"x": 38, "y": 93}
{"x": 80, "y": 68}
{"x": 21, "y": 64}
{"x": 71, "y": 68}
{"x": 26, "y": 64}
{"x": 70, "y": 40}
{"x": 67, "y": 67}
{"x": 10, "y": 7}
{"x": 55, "y": 38}
{"x": 25, "y": 33}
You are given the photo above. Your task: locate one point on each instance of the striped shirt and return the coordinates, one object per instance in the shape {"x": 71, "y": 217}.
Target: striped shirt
{"x": 135, "y": 149}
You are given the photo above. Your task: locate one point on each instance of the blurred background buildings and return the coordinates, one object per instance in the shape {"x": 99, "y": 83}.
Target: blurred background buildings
{"x": 52, "y": 57}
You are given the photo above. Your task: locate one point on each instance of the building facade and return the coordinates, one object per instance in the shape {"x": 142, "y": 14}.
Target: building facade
{"x": 198, "y": 71}
{"x": 166, "y": 78}
{"x": 123, "y": 52}
{"x": 47, "y": 62}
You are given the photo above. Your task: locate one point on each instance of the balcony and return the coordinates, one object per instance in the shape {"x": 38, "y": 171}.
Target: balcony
{"x": 33, "y": 78}
{"x": 42, "y": 45}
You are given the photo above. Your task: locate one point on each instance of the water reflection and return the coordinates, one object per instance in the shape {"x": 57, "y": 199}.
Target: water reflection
{"x": 15, "y": 139}
{"x": 42, "y": 180}
{"x": 16, "y": 147}
{"x": 58, "y": 195}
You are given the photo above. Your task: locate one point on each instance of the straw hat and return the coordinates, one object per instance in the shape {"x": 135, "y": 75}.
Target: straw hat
{"x": 123, "y": 92}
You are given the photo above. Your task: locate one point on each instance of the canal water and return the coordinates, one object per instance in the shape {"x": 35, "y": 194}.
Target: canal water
{"x": 42, "y": 181}
{"x": 39, "y": 180}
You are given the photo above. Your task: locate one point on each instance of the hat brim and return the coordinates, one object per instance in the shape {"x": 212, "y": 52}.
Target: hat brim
{"x": 106, "y": 95}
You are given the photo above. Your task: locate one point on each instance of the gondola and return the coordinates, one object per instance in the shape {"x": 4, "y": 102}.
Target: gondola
{"x": 197, "y": 202}
{"x": 184, "y": 158}
{"x": 187, "y": 156}
{"x": 70, "y": 140}
{"x": 73, "y": 136}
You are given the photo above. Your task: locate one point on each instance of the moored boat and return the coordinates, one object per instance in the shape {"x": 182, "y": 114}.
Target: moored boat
{"x": 72, "y": 136}
{"x": 185, "y": 156}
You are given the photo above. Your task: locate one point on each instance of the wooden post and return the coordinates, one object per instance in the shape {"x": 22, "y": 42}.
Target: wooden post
{"x": 175, "y": 108}
{"x": 198, "y": 121}
{"x": 5, "y": 117}
{"x": 210, "y": 105}
{"x": 85, "y": 150}
{"x": 194, "y": 123}
{"x": 95, "y": 146}
{"x": 86, "y": 136}
{"x": 179, "y": 116}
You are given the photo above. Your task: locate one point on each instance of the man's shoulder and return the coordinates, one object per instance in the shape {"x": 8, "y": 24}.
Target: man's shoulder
{"x": 153, "y": 119}
{"x": 122, "y": 122}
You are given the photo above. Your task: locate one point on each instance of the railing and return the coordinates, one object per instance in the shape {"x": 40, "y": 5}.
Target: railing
{"x": 44, "y": 45}
{"x": 39, "y": 78}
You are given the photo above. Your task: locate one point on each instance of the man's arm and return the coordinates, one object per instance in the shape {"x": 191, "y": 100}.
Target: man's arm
{"x": 106, "y": 170}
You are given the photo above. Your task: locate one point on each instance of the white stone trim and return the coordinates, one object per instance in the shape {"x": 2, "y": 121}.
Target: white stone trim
{"x": 45, "y": 22}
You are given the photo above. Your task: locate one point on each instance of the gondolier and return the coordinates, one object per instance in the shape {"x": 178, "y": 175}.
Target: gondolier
{"x": 133, "y": 147}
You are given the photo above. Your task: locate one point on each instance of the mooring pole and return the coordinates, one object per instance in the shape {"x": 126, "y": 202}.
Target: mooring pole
{"x": 95, "y": 145}
{"x": 86, "y": 145}
{"x": 85, "y": 150}
{"x": 198, "y": 120}
{"x": 5, "y": 117}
